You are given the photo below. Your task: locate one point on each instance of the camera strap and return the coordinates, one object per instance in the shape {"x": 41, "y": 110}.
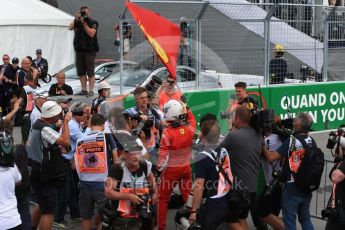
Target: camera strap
{"x": 219, "y": 163}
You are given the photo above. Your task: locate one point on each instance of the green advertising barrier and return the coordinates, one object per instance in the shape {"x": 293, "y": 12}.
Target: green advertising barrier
{"x": 323, "y": 101}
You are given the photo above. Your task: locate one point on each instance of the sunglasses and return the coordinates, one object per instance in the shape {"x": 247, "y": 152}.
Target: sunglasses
{"x": 5, "y": 59}
{"x": 171, "y": 82}
{"x": 38, "y": 53}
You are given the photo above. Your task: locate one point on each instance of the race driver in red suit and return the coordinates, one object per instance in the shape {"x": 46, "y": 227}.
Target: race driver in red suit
{"x": 174, "y": 155}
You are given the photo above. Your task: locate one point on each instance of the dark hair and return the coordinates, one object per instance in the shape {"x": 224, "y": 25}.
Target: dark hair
{"x": 97, "y": 120}
{"x": 243, "y": 113}
{"x": 210, "y": 131}
{"x": 306, "y": 121}
{"x": 207, "y": 117}
{"x": 241, "y": 84}
{"x": 117, "y": 118}
{"x": 139, "y": 90}
{"x": 29, "y": 77}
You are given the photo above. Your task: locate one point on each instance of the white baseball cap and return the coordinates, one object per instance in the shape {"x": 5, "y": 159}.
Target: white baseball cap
{"x": 103, "y": 85}
{"x": 41, "y": 93}
{"x": 50, "y": 109}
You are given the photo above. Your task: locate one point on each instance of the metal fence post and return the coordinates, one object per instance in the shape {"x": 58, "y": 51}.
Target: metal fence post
{"x": 122, "y": 18}
{"x": 325, "y": 45}
{"x": 267, "y": 52}
{"x": 198, "y": 49}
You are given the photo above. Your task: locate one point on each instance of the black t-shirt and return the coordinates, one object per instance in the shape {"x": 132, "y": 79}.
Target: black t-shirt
{"x": 278, "y": 70}
{"x": 54, "y": 90}
{"x": 82, "y": 42}
{"x": 11, "y": 72}
{"x": 340, "y": 189}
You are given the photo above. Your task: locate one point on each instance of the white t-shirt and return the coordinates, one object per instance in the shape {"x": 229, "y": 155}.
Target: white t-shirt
{"x": 272, "y": 142}
{"x": 9, "y": 216}
{"x": 35, "y": 115}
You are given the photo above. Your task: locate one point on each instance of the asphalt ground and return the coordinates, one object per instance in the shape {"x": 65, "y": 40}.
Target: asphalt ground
{"x": 320, "y": 197}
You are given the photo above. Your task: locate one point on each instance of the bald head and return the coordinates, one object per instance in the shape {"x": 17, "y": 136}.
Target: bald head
{"x": 60, "y": 77}
{"x": 26, "y": 64}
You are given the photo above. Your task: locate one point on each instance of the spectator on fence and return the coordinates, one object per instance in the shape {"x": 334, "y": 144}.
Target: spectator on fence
{"x": 186, "y": 41}
{"x": 278, "y": 66}
{"x": 126, "y": 37}
{"x": 60, "y": 88}
{"x": 85, "y": 45}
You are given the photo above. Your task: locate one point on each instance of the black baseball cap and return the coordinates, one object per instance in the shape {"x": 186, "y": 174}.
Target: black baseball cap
{"x": 15, "y": 60}
{"x": 84, "y": 7}
{"x": 38, "y": 51}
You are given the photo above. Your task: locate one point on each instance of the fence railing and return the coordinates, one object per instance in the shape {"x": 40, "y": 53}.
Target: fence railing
{"x": 322, "y": 195}
{"x": 238, "y": 39}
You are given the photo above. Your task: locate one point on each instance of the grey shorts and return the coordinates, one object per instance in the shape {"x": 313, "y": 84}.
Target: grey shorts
{"x": 85, "y": 63}
{"x": 88, "y": 198}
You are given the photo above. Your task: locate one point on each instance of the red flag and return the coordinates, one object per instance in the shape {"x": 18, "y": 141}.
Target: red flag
{"x": 162, "y": 34}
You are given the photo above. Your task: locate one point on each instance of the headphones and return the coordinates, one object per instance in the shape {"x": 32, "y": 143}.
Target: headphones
{"x": 77, "y": 108}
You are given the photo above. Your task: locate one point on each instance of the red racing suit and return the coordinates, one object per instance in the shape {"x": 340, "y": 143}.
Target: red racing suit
{"x": 175, "y": 146}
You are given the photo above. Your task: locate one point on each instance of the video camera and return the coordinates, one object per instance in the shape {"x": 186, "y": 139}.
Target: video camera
{"x": 336, "y": 138}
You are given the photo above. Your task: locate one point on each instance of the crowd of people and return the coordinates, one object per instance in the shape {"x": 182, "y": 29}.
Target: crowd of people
{"x": 116, "y": 168}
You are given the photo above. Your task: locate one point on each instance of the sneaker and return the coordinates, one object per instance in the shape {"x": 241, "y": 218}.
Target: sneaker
{"x": 63, "y": 224}
{"x": 90, "y": 94}
{"x": 82, "y": 93}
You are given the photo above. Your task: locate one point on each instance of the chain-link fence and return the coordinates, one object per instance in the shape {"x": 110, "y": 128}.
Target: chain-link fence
{"x": 254, "y": 42}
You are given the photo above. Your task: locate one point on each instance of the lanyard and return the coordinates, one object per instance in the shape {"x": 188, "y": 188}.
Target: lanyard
{"x": 134, "y": 180}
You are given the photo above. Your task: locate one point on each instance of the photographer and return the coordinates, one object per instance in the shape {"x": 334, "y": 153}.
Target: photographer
{"x": 68, "y": 193}
{"x": 132, "y": 187}
{"x": 121, "y": 125}
{"x": 60, "y": 88}
{"x": 93, "y": 155}
{"x": 174, "y": 155}
{"x": 337, "y": 176}
{"x": 149, "y": 117}
{"x": 85, "y": 45}
{"x": 215, "y": 209}
{"x": 47, "y": 165}
{"x": 269, "y": 203}
{"x": 294, "y": 200}
{"x": 40, "y": 64}
{"x": 186, "y": 41}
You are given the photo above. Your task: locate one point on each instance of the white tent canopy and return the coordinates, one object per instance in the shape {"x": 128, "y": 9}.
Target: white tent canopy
{"x": 27, "y": 25}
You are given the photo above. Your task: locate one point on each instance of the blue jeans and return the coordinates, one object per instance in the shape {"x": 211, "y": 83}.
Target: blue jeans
{"x": 295, "y": 202}
{"x": 188, "y": 52}
{"x": 68, "y": 196}
{"x": 23, "y": 204}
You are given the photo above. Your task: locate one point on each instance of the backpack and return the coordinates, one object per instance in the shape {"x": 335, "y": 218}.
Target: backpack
{"x": 53, "y": 168}
{"x": 309, "y": 173}
{"x": 96, "y": 104}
